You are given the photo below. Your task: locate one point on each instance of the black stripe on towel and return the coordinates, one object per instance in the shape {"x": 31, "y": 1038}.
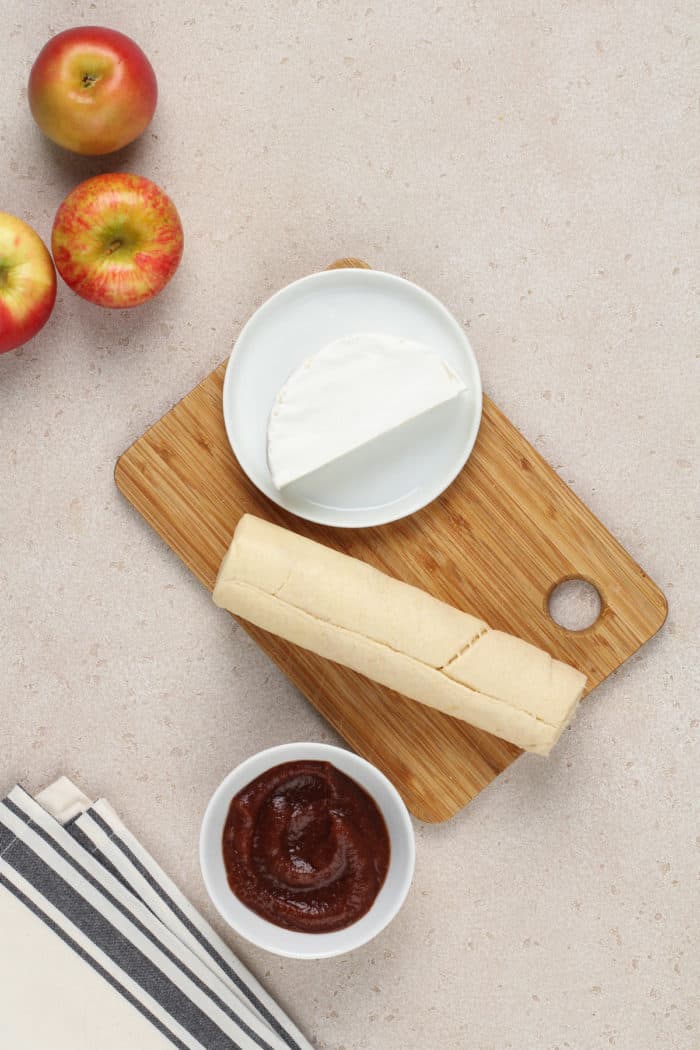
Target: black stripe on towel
{"x": 194, "y": 930}
{"x": 110, "y": 978}
{"x": 262, "y": 1043}
{"x": 7, "y": 837}
{"x": 89, "y": 846}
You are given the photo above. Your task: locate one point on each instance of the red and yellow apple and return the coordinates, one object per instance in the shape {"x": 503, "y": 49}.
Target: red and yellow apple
{"x": 117, "y": 240}
{"x": 27, "y": 283}
{"x": 92, "y": 90}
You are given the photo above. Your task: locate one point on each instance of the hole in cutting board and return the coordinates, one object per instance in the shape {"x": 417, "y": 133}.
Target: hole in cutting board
{"x": 574, "y": 604}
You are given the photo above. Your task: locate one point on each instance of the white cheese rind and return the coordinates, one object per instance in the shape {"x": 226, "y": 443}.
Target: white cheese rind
{"x": 352, "y": 391}
{"x": 396, "y": 634}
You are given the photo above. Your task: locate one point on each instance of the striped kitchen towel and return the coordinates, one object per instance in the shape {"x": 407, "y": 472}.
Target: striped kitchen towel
{"x": 98, "y": 947}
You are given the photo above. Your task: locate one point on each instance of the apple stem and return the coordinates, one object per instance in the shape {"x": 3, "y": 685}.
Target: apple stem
{"x": 114, "y": 246}
{"x": 4, "y": 276}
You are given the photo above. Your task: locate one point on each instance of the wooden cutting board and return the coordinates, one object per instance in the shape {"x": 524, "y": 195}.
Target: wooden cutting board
{"x": 496, "y": 543}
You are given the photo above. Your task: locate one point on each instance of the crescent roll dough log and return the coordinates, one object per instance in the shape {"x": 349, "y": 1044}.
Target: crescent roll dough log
{"x": 396, "y": 634}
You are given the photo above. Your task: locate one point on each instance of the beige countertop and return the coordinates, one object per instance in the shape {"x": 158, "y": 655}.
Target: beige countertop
{"x": 535, "y": 166}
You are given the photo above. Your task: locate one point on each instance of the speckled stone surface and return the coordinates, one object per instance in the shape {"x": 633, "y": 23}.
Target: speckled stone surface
{"x": 535, "y": 166}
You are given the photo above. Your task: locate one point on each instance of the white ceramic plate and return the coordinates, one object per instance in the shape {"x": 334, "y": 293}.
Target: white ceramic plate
{"x": 395, "y": 474}
{"x": 288, "y": 942}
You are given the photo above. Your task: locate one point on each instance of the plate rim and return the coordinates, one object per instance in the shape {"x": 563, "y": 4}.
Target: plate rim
{"x": 370, "y": 520}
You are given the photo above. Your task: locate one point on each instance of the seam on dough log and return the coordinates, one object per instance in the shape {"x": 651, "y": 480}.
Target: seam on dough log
{"x": 445, "y": 669}
{"x": 277, "y": 593}
{"x": 319, "y": 619}
{"x": 462, "y": 651}
{"x": 278, "y": 590}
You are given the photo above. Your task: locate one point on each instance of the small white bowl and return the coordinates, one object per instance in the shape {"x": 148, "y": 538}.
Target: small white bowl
{"x": 392, "y": 476}
{"x": 289, "y": 943}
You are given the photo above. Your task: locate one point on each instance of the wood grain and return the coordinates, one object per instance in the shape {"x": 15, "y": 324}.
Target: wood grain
{"x": 496, "y": 543}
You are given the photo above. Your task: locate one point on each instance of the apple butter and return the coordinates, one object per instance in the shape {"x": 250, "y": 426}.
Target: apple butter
{"x": 306, "y": 847}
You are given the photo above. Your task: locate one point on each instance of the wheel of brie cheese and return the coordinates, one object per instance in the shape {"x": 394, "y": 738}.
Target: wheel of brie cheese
{"x": 351, "y": 392}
